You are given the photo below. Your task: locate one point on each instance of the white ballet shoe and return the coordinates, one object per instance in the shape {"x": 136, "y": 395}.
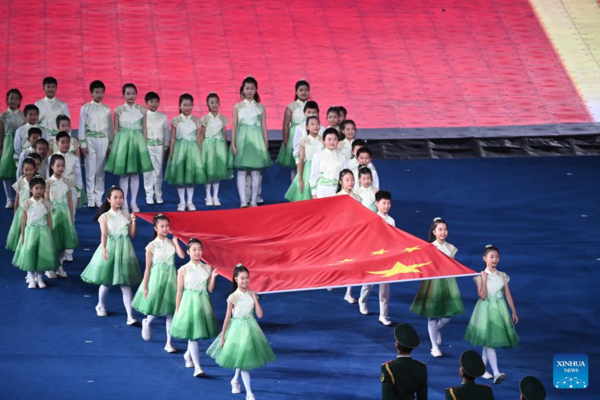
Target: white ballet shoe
{"x": 170, "y": 349}
{"x": 436, "y": 353}
{"x": 149, "y": 200}
{"x": 181, "y": 207}
{"x": 188, "y": 360}
{"x": 40, "y": 281}
{"x": 243, "y": 204}
{"x": 235, "y": 388}
{"x": 250, "y": 397}
{"x": 131, "y": 321}
{"x": 499, "y": 378}
{"x": 385, "y": 320}
{"x": 101, "y": 311}
{"x": 190, "y": 206}
{"x": 51, "y": 274}
{"x": 159, "y": 200}
{"x": 68, "y": 257}
{"x": 9, "y": 204}
{"x": 146, "y": 330}
{"x": 350, "y": 299}
{"x": 209, "y": 201}
{"x": 61, "y": 272}
{"x": 487, "y": 375}
{"x": 364, "y": 310}
{"x": 259, "y": 199}
{"x": 199, "y": 372}
{"x": 216, "y": 202}
{"x": 31, "y": 284}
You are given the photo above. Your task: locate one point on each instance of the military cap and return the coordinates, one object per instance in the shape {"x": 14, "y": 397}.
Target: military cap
{"x": 406, "y": 336}
{"x": 472, "y": 364}
{"x": 532, "y": 389}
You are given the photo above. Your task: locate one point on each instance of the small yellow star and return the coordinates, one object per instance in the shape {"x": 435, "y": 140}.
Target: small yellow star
{"x": 379, "y": 252}
{"x": 399, "y": 268}
{"x": 345, "y": 260}
{"x": 411, "y": 249}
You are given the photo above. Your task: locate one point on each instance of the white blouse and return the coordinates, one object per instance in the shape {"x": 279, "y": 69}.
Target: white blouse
{"x": 116, "y": 222}
{"x": 37, "y": 211}
{"x": 243, "y": 304}
{"x": 131, "y": 117}
{"x": 195, "y": 276}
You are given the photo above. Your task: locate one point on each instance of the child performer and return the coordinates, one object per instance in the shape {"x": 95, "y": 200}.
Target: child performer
{"x": 157, "y": 294}
{"x": 10, "y": 121}
{"x": 249, "y": 140}
{"x": 35, "y": 252}
{"x": 357, "y": 144}
{"x": 309, "y": 146}
{"x": 185, "y": 168}
{"x": 64, "y": 125}
{"x": 438, "y": 299}
{"x": 383, "y": 201}
{"x": 326, "y": 166}
{"x": 311, "y": 108}
{"x": 157, "y": 127}
{"x": 95, "y": 137}
{"x": 363, "y": 158}
{"x": 41, "y": 149}
{"x": 348, "y": 128}
{"x": 333, "y": 118}
{"x": 129, "y": 156}
{"x": 292, "y": 118}
{"x": 59, "y": 192}
{"x": 241, "y": 345}
{"x": 21, "y": 143}
{"x": 213, "y": 134}
{"x": 366, "y": 190}
{"x": 194, "y": 316}
{"x": 50, "y": 107}
{"x": 114, "y": 262}
{"x": 33, "y": 136}
{"x": 21, "y": 187}
{"x": 491, "y": 325}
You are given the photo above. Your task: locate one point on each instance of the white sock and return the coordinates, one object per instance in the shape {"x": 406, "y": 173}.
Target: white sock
{"x": 207, "y": 186}
{"x": 124, "y": 185}
{"x": 30, "y": 276}
{"x": 8, "y": 189}
{"x": 149, "y": 319}
{"x": 484, "y": 357}
{"x": 190, "y": 193}
{"x": 135, "y": 187}
{"x": 215, "y": 189}
{"x": 127, "y": 298}
{"x": 168, "y": 325}
{"x": 246, "y": 380}
{"x": 194, "y": 351}
{"x": 349, "y": 290}
{"x": 293, "y": 174}
{"x": 491, "y": 353}
{"x": 236, "y": 376}
{"x": 181, "y": 193}
{"x": 442, "y": 322}
{"x": 61, "y": 257}
{"x": 241, "y": 185}
{"x": 432, "y": 328}
{"x": 102, "y": 294}
{"x": 255, "y": 185}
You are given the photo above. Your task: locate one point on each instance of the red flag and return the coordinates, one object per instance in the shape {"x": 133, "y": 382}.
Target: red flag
{"x": 311, "y": 244}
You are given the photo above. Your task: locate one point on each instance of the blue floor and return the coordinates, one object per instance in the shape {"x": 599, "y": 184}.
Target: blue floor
{"x": 541, "y": 212}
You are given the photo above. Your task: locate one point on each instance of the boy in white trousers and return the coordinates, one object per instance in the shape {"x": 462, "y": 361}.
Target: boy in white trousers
{"x": 95, "y": 138}
{"x": 157, "y": 126}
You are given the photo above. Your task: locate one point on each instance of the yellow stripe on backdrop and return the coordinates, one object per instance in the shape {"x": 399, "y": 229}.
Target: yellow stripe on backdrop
{"x": 573, "y": 27}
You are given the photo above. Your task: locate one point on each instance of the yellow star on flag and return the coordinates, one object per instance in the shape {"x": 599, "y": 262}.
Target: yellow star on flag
{"x": 379, "y": 252}
{"x": 411, "y": 249}
{"x": 400, "y": 268}
{"x": 345, "y": 260}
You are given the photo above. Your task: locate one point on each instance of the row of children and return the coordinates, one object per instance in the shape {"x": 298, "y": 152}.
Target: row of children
{"x": 137, "y": 140}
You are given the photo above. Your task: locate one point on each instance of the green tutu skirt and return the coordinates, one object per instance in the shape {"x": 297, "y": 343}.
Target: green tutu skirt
{"x": 8, "y": 169}
{"x": 286, "y": 153}
{"x": 251, "y": 150}
{"x": 195, "y": 318}
{"x": 246, "y": 346}
{"x": 438, "y": 298}
{"x": 491, "y": 325}
{"x": 121, "y": 268}
{"x": 36, "y": 253}
{"x": 162, "y": 292}
{"x": 293, "y": 193}
{"x": 185, "y": 167}
{"x": 129, "y": 153}
{"x": 214, "y": 156}
{"x": 65, "y": 236}
{"x": 14, "y": 233}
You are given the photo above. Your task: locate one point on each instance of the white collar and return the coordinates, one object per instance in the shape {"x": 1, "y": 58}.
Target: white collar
{"x": 52, "y": 100}
{"x": 490, "y": 272}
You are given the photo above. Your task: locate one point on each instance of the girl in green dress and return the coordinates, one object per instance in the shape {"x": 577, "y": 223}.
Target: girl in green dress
{"x": 292, "y": 118}
{"x": 10, "y": 121}
{"x": 194, "y": 316}
{"x": 241, "y": 345}
{"x": 491, "y": 325}
{"x": 157, "y": 294}
{"x": 21, "y": 187}
{"x": 114, "y": 261}
{"x": 438, "y": 299}
{"x": 35, "y": 252}
{"x": 59, "y": 192}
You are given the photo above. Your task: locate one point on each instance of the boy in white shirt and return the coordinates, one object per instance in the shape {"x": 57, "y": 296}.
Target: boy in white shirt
{"x": 40, "y": 147}
{"x": 310, "y": 108}
{"x": 363, "y": 158}
{"x": 383, "y": 201}
{"x": 32, "y": 115}
{"x": 95, "y": 137}
{"x": 157, "y": 126}
{"x": 50, "y": 107}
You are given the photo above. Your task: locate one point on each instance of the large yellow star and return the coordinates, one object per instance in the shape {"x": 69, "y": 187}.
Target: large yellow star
{"x": 379, "y": 252}
{"x": 411, "y": 249}
{"x": 399, "y": 268}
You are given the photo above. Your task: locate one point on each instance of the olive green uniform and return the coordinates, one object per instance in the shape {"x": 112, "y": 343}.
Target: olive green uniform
{"x": 403, "y": 378}
{"x": 470, "y": 391}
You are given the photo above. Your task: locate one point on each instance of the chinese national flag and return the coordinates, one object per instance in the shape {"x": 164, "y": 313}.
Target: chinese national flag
{"x": 311, "y": 244}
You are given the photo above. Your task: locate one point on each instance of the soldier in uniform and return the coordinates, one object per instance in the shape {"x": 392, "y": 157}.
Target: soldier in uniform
{"x": 403, "y": 378}
{"x": 532, "y": 389}
{"x": 471, "y": 367}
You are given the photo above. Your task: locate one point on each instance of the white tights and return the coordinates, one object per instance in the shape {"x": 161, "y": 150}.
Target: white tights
{"x": 127, "y": 297}
{"x": 241, "y": 185}
{"x": 194, "y": 351}
{"x": 433, "y": 325}
{"x": 135, "y": 186}
{"x": 489, "y": 354}
{"x": 181, "y": 192}
{"x": 215, "y": 186}
{"x": 8, "y": 190}
{"x": 245, "y": 379}
{"x": 150, "y": 318}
